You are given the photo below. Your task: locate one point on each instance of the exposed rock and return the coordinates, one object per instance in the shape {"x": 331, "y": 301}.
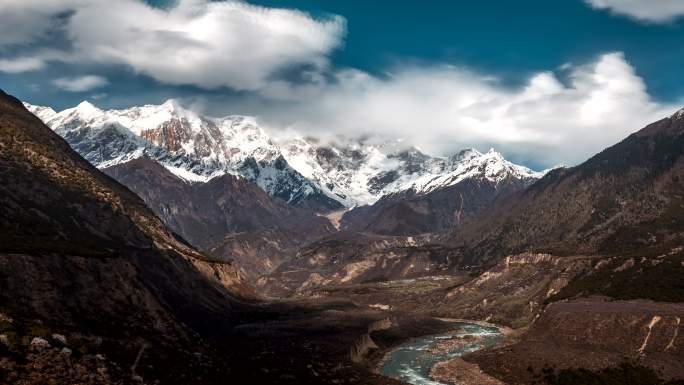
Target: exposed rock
{"x": 439, "y": 210}
{"x": 197, "y": 148}
{"x": 40, "y": 343}
{"x": 79, "y": 251}
{"x": 58, "y": 337}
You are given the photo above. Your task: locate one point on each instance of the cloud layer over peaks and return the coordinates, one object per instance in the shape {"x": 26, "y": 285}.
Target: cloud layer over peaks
{"x": 555, "y": 118}
{"x": 81, "y": 83}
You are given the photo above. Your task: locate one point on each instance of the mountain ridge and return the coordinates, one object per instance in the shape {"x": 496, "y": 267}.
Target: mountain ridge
{"x": 326, "y": 177}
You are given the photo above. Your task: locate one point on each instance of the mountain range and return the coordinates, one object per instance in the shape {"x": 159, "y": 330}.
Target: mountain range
{"x": 303, "y": 172}
{"x": 202, "y": 177}
{"x": 213, "y": 250}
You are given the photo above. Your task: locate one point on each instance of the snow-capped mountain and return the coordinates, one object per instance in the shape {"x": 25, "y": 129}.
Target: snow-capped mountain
{"x": 442, "y": 193}
{"x": 194, "y": 147}
{"x": 301, "y": 171}
{"x": 472, "y": 163}
{"x": 360, "y": 174}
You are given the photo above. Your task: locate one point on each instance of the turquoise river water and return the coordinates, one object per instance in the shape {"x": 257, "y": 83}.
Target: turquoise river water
{"x": 411, "y": 362}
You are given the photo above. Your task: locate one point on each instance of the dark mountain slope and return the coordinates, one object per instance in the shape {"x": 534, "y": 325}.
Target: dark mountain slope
{"x": 226, "y": 214}
{"x": 625, "y": 206}
{"x": 81, "y": 255}
{"x": 439, "y": 211}
{"x": 94, "y": 289}
{"x": 629, "y": 197}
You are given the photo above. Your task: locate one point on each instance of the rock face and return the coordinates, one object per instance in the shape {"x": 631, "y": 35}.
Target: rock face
{"x": 201, "y": 176}
{"x": 365, "y": 343}
{"x": 79, "y": 253}
{"x": 593, "y": 334}
{"x": 228, "y": 215}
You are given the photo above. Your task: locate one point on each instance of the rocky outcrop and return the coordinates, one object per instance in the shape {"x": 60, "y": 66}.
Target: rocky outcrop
{"x": 194, "y": 146}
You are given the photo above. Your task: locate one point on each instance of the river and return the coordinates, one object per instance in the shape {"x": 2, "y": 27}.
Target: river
{"x": 411, "y": 362}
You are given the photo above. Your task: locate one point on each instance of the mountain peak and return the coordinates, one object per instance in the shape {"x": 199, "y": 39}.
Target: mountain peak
{"x": 171, "y": 105}
{"x": 86, "y": 106}
{"x": 465, "y": 154}
{"x": 353, "y": 171}
{"x": 87, "y": 110}
{"x": 493, "y": 153}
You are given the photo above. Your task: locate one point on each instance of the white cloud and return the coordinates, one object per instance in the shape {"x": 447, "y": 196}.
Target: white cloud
{"x": 21, "y": 64}
{"x": 553, "y": 119}
{"x": 81, "y": 83}
{"x": 210, "y": 44}
{"x": 442, "y": 109}
{"x": 655, "y": 11}
{"x": 25, "y": 21}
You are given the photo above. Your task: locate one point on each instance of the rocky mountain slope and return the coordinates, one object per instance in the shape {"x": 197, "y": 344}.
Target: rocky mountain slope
{"x": 616, "y": 317}
{"x": 228, "y": 214}
{"x": 611, "y": 229}
{"x": 439, "y": 203}
{"x": 348, "y": 258}
{"x": 594, "y": 341}
{"x": 362, "y": 171}
{"x": 398, "y": 237}
{"x": 83, "y": 257}
{"x": 626, "y": 199}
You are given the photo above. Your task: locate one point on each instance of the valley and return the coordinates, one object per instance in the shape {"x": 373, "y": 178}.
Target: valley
{"x": 341, "y": 192}
{"x": 235, "y": 256}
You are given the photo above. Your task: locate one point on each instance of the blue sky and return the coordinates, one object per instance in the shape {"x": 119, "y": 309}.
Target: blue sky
{"x": 511, "y": 39}
{"x": 526, "y": 77}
